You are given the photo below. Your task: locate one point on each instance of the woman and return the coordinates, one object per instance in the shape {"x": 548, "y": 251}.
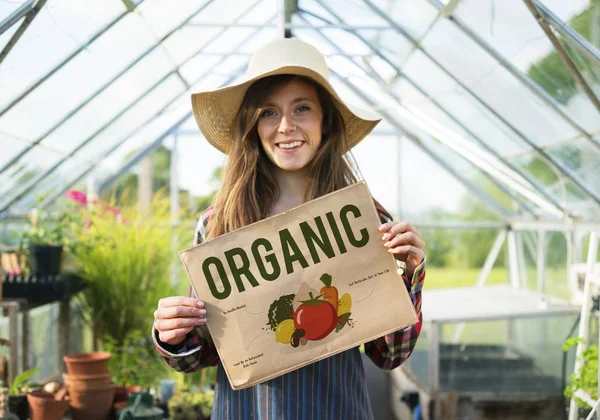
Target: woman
{"x": 285, "y": 131}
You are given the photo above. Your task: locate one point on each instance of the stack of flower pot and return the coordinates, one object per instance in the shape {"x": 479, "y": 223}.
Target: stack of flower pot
{"x": 90, "y": 385}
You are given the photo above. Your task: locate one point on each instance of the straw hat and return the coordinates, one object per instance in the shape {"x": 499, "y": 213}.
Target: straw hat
{"x": 216, "y": 110}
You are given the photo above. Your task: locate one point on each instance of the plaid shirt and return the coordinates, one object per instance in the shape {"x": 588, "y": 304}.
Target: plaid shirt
{"x": 333, "y": 388}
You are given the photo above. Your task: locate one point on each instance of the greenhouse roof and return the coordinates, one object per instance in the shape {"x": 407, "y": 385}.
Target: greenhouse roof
{"x": 504, "y": 96}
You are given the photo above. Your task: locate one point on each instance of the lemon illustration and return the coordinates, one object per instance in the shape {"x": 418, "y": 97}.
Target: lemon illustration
{"x": 284, "y": 331}
{"x": 344, "y": 304}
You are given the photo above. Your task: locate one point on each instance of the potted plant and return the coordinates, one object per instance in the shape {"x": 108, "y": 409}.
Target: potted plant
{"x": 43, "y": 240}
{"x": 17, "y": 393}
{"x": 586, "y": 379}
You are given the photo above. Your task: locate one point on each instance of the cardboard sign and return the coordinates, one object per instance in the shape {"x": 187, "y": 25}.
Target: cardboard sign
{"x": 298, "y": 287}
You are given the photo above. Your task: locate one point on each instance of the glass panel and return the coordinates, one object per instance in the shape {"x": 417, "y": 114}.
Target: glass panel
{"x": 118, "y": 153}
{"x": 470, "y": 204}
{"x": 463, "y": 109}
{"x": 80, "y": 78}
{"x": 231, "y": 37}
{"x": 414, "y": 16}
{"x": 198, "y": 66}
{"x": 505, "y": 357}
{"x": 450, "y": 193}
{"x": 187, "y": 41}
{"x": 588, "y": 69}
{"x": 22, "y": 174}
{"x": 128, "y": 121}
{"x": 568, "y": 10}
{"x": 554, "y": 183}
{"x": 58, "y": 29}
{"x": 111, "y": 100}
{"x": 486, "y": 77}
{"x": 513, "y": 32}
{"x": 163, "y": 16}
{"x": 11, "y": 147}
{"x": 8, "y": 7}
{"x": 6, "y": 36}
{"x": 51, "y": 184}
{"x": 225, "y": 12}
{"x": 582, "y": 158}
{"x": 578, "y": 14}
{"x": 258, "y": 13}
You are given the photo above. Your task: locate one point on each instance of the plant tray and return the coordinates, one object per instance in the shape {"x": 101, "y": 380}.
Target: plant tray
{"x": 40, "y": 289}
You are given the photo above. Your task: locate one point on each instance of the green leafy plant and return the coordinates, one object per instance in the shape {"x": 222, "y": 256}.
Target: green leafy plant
{"x": 125, "y": 258}
{"x": 21, "y": 381}
{"x": 43, "y": 229}
{"x": 587, "y": 377}
{"x": 134, "y": 361}
{"x": 191, "y": 405}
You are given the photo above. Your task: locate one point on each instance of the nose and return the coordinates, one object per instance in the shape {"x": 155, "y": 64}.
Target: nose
{"x": 285, "y": 126}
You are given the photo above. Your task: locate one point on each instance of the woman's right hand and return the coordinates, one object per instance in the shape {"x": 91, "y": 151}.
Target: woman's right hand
{"x": 176, "y": 316}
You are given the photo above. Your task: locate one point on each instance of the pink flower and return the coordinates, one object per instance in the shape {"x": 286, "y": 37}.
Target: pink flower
{"x": 15, "y": 271}
{"x": 77, "y": 196}
{"x": 112, "y": 210}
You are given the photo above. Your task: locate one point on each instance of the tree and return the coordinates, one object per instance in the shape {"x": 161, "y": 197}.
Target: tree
{"x": 125, "y": 189}
{"x": 551, "y": 73}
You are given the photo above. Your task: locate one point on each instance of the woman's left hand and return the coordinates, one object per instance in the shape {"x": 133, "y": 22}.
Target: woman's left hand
{"x": 405, "y": 243}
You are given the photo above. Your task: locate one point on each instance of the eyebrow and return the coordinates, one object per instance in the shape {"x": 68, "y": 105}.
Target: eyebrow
{"x": 294, "y": 101}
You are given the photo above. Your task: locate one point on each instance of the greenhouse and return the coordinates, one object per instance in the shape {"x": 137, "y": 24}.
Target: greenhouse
{"x": 489, "y": 145}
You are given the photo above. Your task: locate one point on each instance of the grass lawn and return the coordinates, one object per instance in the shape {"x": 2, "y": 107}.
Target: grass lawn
{"x": 442, "y": 278}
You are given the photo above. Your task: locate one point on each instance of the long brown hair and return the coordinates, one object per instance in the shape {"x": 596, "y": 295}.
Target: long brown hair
{"x": 248, "y": 190}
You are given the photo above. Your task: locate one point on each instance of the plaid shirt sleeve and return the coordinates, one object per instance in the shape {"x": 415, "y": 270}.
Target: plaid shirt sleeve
{"x": 198, "y": 350}
{"x": 391, "y": 350}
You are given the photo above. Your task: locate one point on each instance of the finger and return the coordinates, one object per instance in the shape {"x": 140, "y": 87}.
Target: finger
{"x": 407, "y": 238}
{"x": 386, "y": 226}
{"x": 178, "y": 312}
{"x": 407, "y": 250}
{"x": 173, "y": 335}
{"x": 180, "y": 301}
{"x": 177, "y": 323}
{"x": 402, "y": 227}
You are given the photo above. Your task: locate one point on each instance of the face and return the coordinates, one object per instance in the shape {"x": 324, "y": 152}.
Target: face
{"x": 289, "y": 127}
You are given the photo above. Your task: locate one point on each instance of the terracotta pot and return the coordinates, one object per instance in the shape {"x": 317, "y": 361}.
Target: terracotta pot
{"x": 93, "y": 363}
{"x": 91, "y": 403}
{"x": 43, "y": 406}
{"x": 120, "y": 394}
{"x": 134, "y": 389}
{"x": 87, "y": 381}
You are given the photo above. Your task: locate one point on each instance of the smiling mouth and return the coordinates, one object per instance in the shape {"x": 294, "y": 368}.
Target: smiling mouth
{"x": 290, "y": 145}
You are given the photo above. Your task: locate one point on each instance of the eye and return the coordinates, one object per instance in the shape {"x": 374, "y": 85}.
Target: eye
{"x": 302, "y": 108}
{"x": 267, "y": 113}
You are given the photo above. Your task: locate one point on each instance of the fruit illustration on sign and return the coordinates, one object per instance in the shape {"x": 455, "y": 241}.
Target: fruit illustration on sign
{"x": 313, "y": 319}
{"x": 316, "y": 317}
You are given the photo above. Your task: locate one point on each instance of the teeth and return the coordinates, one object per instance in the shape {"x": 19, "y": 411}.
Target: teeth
{"x": 290, "y": 145}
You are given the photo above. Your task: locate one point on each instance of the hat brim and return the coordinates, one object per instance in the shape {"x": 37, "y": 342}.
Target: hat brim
{"x": 215, "y": 111}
